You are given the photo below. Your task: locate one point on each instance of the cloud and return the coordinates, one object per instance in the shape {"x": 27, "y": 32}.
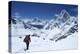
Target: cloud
{"x": 56, "y": 15}
{"x": 17, "y": 15}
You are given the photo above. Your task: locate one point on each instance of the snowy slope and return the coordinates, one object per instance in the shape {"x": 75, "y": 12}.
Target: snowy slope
{"x": 38, "y": 44}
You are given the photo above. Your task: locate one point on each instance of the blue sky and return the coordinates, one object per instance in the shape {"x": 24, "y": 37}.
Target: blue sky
{"x": 41, "y": 10}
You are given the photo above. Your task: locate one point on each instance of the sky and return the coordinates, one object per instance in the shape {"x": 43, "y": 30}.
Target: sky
{"x": 40, "y": 10}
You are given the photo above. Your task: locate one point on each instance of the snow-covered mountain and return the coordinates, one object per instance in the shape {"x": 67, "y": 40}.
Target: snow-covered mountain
{"x": 60, "y": 28}
{"x": 67, "y": 25}
{"x": 59, "y": 21}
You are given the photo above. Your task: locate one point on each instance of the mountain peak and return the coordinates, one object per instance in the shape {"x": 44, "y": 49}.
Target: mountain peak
{"x": 64, "y": 13}
{"x": 63, "y": 16}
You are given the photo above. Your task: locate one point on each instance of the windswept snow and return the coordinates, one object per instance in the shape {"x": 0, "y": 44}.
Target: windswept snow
{"x": 38, "y": 44}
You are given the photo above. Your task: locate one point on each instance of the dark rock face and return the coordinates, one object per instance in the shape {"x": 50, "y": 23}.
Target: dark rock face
{"x": 74, "y": 29}
{"x": 13, "y": 21}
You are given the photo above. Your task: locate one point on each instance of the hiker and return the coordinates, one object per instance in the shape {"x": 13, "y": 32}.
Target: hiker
{"x": 27, "y": 40}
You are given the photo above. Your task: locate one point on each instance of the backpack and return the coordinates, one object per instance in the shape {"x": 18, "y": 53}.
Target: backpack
{"x": 27, "y": 38}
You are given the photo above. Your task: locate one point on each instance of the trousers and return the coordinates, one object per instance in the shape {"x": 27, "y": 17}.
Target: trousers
{"x": 27, "y": 45}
